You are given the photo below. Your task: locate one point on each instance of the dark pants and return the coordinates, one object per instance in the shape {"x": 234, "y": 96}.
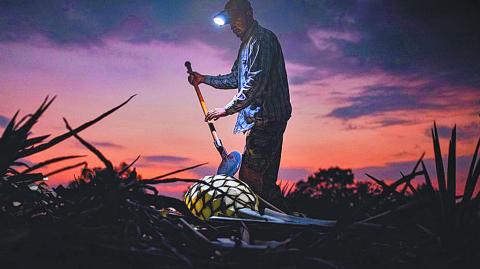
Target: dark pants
{"x": 261, "y": 158}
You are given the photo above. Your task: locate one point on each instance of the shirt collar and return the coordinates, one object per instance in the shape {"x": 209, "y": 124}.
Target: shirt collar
{"x": 250, "y": 31}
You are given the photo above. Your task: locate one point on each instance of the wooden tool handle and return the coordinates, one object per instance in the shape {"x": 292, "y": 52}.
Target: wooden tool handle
{"x": 217, "y": 141}
{"x": 188, "y": 65}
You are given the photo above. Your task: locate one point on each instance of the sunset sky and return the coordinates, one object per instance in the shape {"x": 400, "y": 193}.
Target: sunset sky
{"x": 367, "y": 79}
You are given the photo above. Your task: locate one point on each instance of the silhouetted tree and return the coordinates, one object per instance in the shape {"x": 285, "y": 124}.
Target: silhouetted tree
{"x": 325, "y": 180}
{"x": 329, "y": 193}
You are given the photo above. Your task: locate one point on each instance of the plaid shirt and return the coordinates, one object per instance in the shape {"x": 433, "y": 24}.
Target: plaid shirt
{"x": 261, "y": 79}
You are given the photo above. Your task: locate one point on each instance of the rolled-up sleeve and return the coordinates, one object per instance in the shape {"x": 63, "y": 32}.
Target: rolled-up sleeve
{"x": 260, "y": 61}
{"x": 229, "y": 81}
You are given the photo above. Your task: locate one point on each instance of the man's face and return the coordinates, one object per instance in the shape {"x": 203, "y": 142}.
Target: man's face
{"x": 238, "y": 23}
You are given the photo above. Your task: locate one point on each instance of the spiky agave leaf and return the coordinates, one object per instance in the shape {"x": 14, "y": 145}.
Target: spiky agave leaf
{"x": 125, "y": 169}
{"x": 7, "y": 133}
{"x": 15, "y": 137}
{"x": 383, "y": 184}
{"x": 287, "y": 188}
{"x": 108, "y": 164}
{"x": 428, "y": 181}
{"x": 21, "y": 121}
{"x": 451, "y": 170}
{"x": 33, "y": 119}
{"x": 35, "y": 140}
{"x": 440, "y": 176}
{"x": 69, "y": 134}
{"x": 66, "y": 168}
{"x": 177, "y": 171}
{"x": 8, "y": 146}
{"x": 348, "y": 219}
{"x": 408, "y": 177}
{"x": 473, "y": 175}
{"x": 51, "y": 161}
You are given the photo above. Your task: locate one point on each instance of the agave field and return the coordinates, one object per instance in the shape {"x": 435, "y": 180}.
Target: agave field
{"x": 108, "y": 217}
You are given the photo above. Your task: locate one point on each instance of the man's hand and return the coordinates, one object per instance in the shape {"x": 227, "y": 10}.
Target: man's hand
{"x": 215, "y": 114}
{"x": 195, "y": 78}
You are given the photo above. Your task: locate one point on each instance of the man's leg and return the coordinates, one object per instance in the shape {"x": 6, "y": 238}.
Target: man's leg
{"x": 271, "y": 191}
{"x": 261, "y": 158}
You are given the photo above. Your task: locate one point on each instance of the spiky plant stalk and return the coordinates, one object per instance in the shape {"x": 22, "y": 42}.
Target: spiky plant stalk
{"x": 455, "y": 219}
{"x": 19, "y": 189}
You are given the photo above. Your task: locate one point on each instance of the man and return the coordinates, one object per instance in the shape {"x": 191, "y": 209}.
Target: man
{"x": 262, "y": 102}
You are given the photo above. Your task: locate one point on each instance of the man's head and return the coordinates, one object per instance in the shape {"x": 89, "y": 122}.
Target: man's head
{"x": 241, "y": 16}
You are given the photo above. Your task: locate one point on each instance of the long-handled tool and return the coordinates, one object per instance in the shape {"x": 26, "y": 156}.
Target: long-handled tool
{"x": 230, "y": 162}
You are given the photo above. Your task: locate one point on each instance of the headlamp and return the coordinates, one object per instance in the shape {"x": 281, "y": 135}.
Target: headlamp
{"x": 222, "y": 18}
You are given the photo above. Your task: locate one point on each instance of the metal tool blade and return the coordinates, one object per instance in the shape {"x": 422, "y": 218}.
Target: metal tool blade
{"x": 230, "y": 165}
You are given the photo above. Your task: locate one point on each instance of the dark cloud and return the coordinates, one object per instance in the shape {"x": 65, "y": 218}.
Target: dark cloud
{"x": 443, "y": 131}
{"x": 393, "y": 121}
{"x": 108, "y": 145}
{"x": 4, "y": 121}
{"x": 469, "y": 131}
{"x": 300, "y": 79}
{"x": 206, "y": 170}
{"x": 380, "y": 99}
{"x": 165, "y": 159}
{"x": 100, "y": 144}
{"x": 293, "y": 174}
{"x": 430, "y": 39}
{"x": 380, "y": 123}
{"x": 464, "y": 132}
{"x": 88, "y": 22}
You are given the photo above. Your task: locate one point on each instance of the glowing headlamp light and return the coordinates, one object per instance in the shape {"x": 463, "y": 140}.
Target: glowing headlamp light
{"x": 221, "y": 18}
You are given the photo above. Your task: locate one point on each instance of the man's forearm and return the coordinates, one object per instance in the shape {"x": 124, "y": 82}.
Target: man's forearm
{"x": 229, "y": 81}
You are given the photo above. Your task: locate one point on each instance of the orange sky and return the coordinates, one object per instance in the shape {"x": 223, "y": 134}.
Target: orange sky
{"x": 165, "y": 118}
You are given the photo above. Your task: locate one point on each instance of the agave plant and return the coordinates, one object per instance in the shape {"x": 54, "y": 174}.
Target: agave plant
{"x": 22, "y": 188}
{"x": 458, "y": 219}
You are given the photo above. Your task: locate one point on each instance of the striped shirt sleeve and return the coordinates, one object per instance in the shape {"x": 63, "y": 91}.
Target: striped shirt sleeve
{"x": 229, "y": 81}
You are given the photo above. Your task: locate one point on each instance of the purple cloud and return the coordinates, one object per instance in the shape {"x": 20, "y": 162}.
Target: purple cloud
{"x": 431, "y": 38}
{"x": 108, "y": 145}
{"x": 393, "y": 121}
{"x": 293, "y": 173}
{"x": 379, "y": 99}
{"x": 165, "y": 159}
{"x": 464, "y": 132}
{"x": 206, "y": 170}
{"x": 4, "y": 121}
